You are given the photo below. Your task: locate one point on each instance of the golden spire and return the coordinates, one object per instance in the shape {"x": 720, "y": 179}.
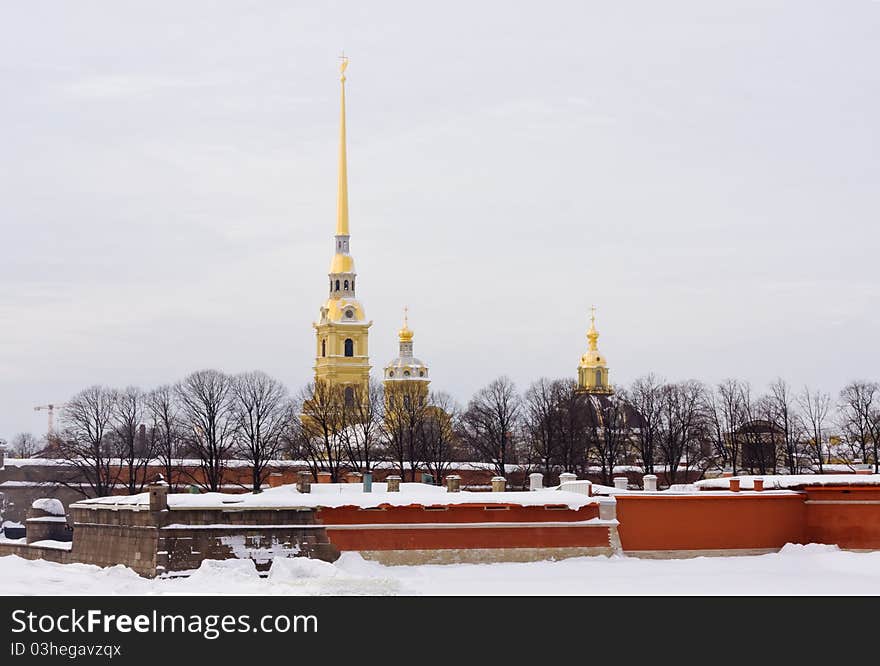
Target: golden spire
{"x": 342, "y": 196}
{"x": 593, "y": 334}
{"x": 405, "y": 334}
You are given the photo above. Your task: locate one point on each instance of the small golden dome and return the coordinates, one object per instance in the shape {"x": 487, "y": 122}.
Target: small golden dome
{"x": 405, "y": 334}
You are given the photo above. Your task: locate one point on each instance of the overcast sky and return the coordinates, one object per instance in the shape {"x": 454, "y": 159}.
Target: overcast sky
{"x": 705, "y": 173}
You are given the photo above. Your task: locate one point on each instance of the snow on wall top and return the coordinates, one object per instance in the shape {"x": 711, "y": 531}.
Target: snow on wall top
{"x": 348, "y": 494}
{"x": 50, "y": 505}
{"x": 791, "y": 481}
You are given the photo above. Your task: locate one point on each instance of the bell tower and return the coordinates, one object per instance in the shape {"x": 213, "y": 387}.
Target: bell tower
{"x": 341, "y": 333}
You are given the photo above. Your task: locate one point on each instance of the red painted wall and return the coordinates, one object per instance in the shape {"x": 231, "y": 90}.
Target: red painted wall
{"x": 373, "y": 538}
{"x": 848, "y": 516}
{"x": 707, "y": 521}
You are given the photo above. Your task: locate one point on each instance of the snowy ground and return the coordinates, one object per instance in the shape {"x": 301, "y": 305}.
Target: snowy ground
{"x": 809, "y": 569}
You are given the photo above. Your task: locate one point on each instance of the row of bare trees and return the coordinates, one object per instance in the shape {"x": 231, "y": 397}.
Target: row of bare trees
{"x": 682, "y": 426}
{"x": 111, "y": 436}
{"x": 409, "y": 429}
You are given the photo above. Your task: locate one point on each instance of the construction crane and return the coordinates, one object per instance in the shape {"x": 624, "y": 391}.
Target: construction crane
{"x": 50, "y": 408}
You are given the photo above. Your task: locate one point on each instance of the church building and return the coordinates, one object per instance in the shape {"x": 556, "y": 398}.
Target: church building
{"x": 593, "y": 369}
{"x": 341, "y": 333}
{"x": 406, "y": 375}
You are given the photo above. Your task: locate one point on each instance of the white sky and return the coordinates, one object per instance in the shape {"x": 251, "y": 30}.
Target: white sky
{"x": 706, "y": 174}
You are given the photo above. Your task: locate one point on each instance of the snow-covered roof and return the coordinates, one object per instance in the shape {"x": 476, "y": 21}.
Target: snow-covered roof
{"x": 346, "y": 494}
{"x": 791, "y": 481}
{"x": 50, "y": 505}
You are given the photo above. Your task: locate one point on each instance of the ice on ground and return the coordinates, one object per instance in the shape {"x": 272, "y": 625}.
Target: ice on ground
{"x": 795, "y": 570}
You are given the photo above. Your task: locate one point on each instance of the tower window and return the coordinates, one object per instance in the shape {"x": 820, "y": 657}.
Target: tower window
{"x": 598, "y": 378}
{"x": 324, "y": 347}
{"x": 349, "y": 347}
{"x": 406, "y": 373}
{"x": 337, "y": 285}
{"x": 391, "y": 373}
{"x": 346, "y": 285}
{"x": 349, "y": 396}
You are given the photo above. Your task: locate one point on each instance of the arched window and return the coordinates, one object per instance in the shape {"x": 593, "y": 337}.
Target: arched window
{"x": 349, "y": 396}
{"x": 598, "y": 378}
{"x": 349, "y": 347}
{"x": 352, "y": 285}
{"x": 337, "y": 285}
{"x": 346, "y": 285}
{"x": 324, "y": 347}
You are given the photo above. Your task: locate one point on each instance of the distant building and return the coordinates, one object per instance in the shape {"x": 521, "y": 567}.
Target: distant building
{"x": 593, "y": 369}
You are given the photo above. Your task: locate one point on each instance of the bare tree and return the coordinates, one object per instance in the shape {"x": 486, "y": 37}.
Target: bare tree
{"x": 645, "y": 395}
{"x": 490, "y": 421}
{"x": 319, "y": 434}
{"x": 859, "y": 408}
{"x": 682, "y": 425}
{"x": 25, "y": 445}
{"x": 574, "y": 419}
{"x": 135, "y": 450}
{"x": 726, "y": 414}
{"x": 403, "y": 425}
{"x": 610, "y": 433}
{"x": 206, "y": 408}
{"x": 166, "y": 430}
{"x": 363, "y": 425}
{"x": 85, "y": 441}
{"x": 781, "y": 413}
{"x": 540, "y": 422}
{"x": 440, "y": 435}
{"x": 815, "y": 406}
{"x": 262, "y": 413}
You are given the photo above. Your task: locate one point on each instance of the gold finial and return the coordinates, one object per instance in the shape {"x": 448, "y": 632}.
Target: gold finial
{"x": 593, "y": 334}
{"x": 405, "y": 334}
{"x": 342, "y": 193}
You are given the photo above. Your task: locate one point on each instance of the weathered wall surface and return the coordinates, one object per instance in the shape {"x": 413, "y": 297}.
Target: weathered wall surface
{"x": 709, "y": 521}
{"x": 847, "y": 516}
{"x": 168, "y": 542}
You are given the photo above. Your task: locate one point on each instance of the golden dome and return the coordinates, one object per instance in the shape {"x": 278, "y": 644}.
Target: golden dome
{"x": 405, "y": 334}
{"x": 342, "y": 263}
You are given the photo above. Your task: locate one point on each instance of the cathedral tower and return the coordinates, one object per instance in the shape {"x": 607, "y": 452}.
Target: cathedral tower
{"x": 342, "y": 357}
{"x": 406, "y": 374}
{"x": 593, "y": 370}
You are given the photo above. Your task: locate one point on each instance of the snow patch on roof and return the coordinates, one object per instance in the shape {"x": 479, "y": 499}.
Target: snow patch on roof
{"x": 791, "y": 481}
{"x": 50, "y": 505}
{"x": 347, "y": 494}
